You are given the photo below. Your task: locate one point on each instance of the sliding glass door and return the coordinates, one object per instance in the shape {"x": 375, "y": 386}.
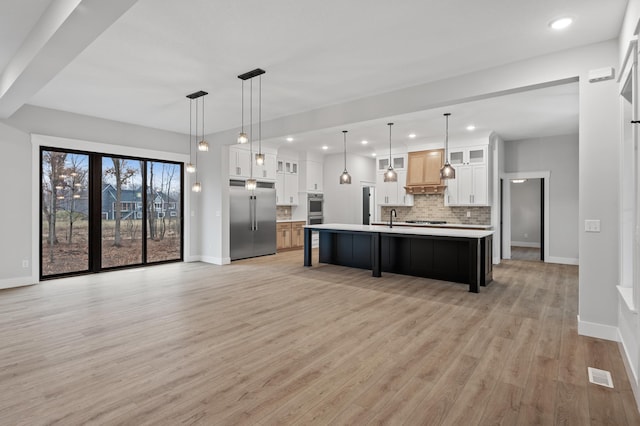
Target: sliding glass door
{"x": 121, "y": 212}
{"x": 103, "y": 212}
{"x": 64, "y": 214}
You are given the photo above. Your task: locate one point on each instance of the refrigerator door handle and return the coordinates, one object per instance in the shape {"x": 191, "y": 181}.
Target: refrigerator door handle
{"x": 255, "y": 214}
{"x": 250, "y": 213}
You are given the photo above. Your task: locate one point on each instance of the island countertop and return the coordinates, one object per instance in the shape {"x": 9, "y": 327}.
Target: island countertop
{"x": 435, "y": 225}
{"x": 406, "y": 230}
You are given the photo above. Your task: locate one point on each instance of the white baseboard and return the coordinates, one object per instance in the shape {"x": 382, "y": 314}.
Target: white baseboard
{"x": 562, "y": 260}
{"x": 599, "y": 331}
{"x": 17, "y": 282}
{"x": 189, "y": 259}
{"x": 525, "y": 244}
{"x": 631, "y": 373}
{"x": 216, "y": 260}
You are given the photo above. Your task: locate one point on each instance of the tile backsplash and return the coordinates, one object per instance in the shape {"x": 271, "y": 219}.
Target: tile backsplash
{"x": 431, "y": 207}
{"x": 283, "y": 213}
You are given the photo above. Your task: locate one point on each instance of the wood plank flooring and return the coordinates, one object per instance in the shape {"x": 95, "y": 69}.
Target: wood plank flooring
{"x": 525, "y": 253}
{"x": 267, "y": 341}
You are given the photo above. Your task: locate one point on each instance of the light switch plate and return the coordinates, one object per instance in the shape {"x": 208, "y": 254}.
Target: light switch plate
{"x": 592, "y": 225}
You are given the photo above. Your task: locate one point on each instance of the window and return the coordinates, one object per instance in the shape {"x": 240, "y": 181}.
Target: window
{"x": 93, "y": 215}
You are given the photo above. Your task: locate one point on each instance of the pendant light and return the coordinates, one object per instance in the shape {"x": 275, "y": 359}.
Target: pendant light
{"x": 447, "y": 172}
{"x": 242, "y": 137}
{"x": 260, "y": 155}
{"x": 203, "y": 145}
{"x": 345, "y": 177}
{"x": 390, "y": 175}
{"x": 191, "y": 168}
{"x": 197, "y": 186}
{"x": 251, "y": 183}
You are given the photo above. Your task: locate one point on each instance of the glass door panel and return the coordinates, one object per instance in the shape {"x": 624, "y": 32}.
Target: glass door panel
{"x": 121, "y": 211}
{"x": 64, "y": 215}
{"x": 164, "y": 211}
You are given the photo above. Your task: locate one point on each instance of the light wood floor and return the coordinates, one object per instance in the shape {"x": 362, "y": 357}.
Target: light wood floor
{"x": 267, "y": 341}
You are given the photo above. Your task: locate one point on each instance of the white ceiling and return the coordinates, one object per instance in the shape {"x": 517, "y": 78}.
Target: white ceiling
{"x": 315, "y": 54}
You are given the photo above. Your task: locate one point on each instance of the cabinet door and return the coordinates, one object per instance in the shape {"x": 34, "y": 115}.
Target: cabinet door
{"x": 399, "y": 162}
{"x": 244, "y": 163}
{"x": 297, "y": 234}
{"x": 280, "y": 196}
{"x": 477, "y": 155}
{"x": 269, "y": 167}
{"x": 290, "y": 189}
{"x": 451, "y": 196}
{"x": 403, "y": 199}
{"x": 457, "y": 157}
{"x": 433, "y": 164}
{"x": 283, "y": 240}
{"x": 464, "y": 176}
{"x": 314, "y": 176}
{"x": 417, "y": 168}
{"x": 233, "y": 163}
{"x": 383, "y": 163}
{"x": 479, "y": 194}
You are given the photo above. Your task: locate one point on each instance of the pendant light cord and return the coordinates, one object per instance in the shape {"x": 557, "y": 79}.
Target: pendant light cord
{"x": 251, "y": 129}
{"x": 190, "y": 130}
{"x": 242, "y": 108}
{"x": 260, "y": 116}
{"x": 446, "y": 138}
{"x": 344, "y": 133}
{"x": 390, "y": 124}
{"x": 197, "y": 141}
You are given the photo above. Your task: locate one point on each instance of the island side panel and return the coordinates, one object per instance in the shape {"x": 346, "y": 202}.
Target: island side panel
{"x": 351, "y": 249}
{"x": 307, "y": 247}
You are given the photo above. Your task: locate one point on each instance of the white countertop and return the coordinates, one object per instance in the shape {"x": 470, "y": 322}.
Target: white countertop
{"x": 406, "y": 230}
{"x": 431, "y": 225}
{"x": 289, "y": 220}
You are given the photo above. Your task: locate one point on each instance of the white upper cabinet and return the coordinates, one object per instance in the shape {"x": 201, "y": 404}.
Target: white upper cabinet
{"x": 240, "y": 159}
{"x": 287, "y": 184}
{"x": 393, "y": 193}
{"x": 399, "y": 162}
{"x": 470, "y": 187}
{"x": 314, "y": 176}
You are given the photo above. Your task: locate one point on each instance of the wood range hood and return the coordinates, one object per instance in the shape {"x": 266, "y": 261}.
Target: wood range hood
{"x": 423, "y": 172}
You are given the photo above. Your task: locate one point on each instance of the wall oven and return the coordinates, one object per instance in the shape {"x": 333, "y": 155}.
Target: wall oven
{"x": 315, "y": 205}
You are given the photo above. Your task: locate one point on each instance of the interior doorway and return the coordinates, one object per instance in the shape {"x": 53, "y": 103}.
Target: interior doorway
{"x": 525, "y": 216}
{"x": 368, "y": 204}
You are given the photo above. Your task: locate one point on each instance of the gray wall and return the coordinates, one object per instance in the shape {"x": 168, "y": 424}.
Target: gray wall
{"x": 525, "y": 213}
{"x": 559, "y": 155}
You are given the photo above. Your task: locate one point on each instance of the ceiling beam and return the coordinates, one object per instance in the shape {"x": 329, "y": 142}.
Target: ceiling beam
{"x": 64, "y": 30}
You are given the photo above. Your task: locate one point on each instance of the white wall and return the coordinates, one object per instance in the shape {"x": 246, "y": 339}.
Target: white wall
{"x": 343, "y": 203}
{"x": 525, "y": 213}
{"x": 558, "y": 155}
{"x": 15, "y": 215}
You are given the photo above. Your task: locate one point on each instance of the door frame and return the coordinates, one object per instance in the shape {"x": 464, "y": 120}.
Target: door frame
{"x": 372, "y": 199}
{"x": 506, "y": 203}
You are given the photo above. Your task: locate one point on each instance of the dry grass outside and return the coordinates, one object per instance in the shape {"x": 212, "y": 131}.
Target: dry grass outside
{"x": 70, "y": 253}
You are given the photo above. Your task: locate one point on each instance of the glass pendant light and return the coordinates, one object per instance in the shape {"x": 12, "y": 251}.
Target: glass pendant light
{"x": 203, "y": 145}
{"x": 447, "y": 171}
{"x": 242, "y": 137}
{"x": 260, "y": 155}
{"x": 345, "y": 177}
{"x": 390, "y": 175}
{"x": 191, "y": 168}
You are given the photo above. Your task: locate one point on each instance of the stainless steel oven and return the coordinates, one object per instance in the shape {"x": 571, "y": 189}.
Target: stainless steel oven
{"x": 315, "y": 206}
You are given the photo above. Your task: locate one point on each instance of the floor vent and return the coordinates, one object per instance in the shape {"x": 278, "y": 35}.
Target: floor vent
{"x": 600, "y": 377}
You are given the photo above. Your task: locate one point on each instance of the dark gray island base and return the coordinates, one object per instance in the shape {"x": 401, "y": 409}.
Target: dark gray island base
{"x": 458, "y": 256}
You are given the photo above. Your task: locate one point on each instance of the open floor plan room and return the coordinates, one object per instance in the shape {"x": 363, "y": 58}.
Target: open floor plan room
{"x": 265, "y": 341}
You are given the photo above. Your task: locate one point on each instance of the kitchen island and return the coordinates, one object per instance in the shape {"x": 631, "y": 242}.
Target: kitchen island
{"x": 458, "y": 255}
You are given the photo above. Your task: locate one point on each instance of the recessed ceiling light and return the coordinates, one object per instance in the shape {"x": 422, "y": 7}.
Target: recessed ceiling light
{"x": 325, "y": 147}
{"x": 365, "y": 142}
{"x": 412, "y": 135}
{"x": 471, "y": 127}
{"x": 374, "y": 154}
{"x": 289, "y": 139}
{"x": 561, "y": 23}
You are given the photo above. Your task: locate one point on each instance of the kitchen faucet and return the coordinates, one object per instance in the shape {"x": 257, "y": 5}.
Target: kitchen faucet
{"x": 392, "y": 213}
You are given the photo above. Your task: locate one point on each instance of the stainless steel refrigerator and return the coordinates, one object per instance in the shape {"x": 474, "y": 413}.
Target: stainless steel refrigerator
{"x": 252, "y": 220}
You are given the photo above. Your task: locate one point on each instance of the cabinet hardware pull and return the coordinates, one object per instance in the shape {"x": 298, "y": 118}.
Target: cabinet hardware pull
{"x": 635, "y": 121}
